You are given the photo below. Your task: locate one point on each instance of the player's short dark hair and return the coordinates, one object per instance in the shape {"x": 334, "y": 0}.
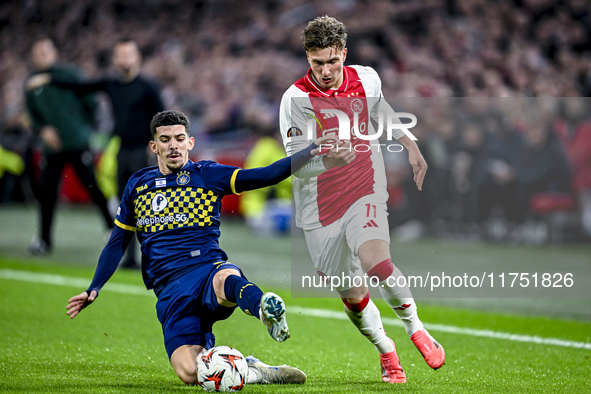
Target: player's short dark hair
{"x": 125, "y": 40}
{"x": 45, "y": 38}
{"x": 324, "y": 32}
{"x": 168, "y": 118}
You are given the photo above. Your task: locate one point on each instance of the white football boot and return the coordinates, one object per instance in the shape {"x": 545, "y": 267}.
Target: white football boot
{"x": 273, "y": 316}
{"x": 267, "y": 374}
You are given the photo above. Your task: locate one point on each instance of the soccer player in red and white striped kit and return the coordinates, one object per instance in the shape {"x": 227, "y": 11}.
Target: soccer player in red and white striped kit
{"x": 341, "y": 196}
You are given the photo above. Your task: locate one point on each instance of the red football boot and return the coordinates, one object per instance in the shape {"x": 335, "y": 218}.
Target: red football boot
{"x": 431, "y": 350}
{"x": 392, "y": 371}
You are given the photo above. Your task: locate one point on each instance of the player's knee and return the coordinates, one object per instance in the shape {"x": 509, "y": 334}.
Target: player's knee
{"x": 187, "y": 372}
{"x": 373, "y": 251}
{"x": 382, "y": 270}
{"x": 353, "y": 301}
{"x": 219, "y": 280}
{"x": 184, "y": 362}
{"x": 356, "y": 304}
{"x": 219, "y": 286}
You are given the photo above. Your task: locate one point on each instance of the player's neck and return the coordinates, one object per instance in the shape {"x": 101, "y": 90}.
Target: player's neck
{"x": 130, "y": 75}
{"x": 164, "y": 170}
{"x": 167, "y": 171}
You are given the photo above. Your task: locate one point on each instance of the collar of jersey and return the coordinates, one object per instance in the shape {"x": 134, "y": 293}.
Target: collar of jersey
{"x": 174, "y": 173}
{"x": 328, "y": 92}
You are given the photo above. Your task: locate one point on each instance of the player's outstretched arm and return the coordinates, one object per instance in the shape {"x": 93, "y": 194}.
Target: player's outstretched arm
{"x": 80, "y": 87}
{"x": 107, "y": 265}
{"x": 256, "y": 178}
{"x": 418, "y": 163}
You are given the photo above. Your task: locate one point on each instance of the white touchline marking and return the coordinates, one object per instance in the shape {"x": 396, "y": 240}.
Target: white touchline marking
{"x": 452, "y": 329}
{"x": 59, "y": 280}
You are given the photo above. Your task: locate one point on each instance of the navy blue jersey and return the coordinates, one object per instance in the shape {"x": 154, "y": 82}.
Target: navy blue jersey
{"x": 176, "y": 217}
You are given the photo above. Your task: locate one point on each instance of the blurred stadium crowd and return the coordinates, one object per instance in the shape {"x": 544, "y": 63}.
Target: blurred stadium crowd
{"x": 496, "y": 165}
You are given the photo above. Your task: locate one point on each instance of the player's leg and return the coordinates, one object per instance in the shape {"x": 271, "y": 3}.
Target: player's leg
{"x": 231, "y": 288}
{"x": 333, "y": 257}
{"x": 239, "y": 291}
{"x": 50, "y": 178}
{"x": 375, "y": 258}
{"x": 365, "y": 315}
{"x": 184, "y": 362}
{"x": 186, "y": 327}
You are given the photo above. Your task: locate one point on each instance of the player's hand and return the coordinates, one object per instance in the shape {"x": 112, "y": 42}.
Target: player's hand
{"x": 50, "y": 136}
{"x": 419, "y": 166}
{"x": 324, "y": 143}
{"x": 341, "y": 154}
{"x": 38, "y": 80}
{"x": 79, "y": 302}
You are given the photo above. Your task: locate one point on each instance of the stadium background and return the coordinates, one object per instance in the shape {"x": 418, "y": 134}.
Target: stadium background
{"x": 226, "y": 64}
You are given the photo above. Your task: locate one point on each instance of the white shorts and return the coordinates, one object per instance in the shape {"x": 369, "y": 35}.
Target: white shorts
{"x": 335, "y": 248}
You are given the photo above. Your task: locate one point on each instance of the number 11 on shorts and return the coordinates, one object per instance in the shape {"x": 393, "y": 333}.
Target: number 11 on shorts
{"x": 369, "y": 208}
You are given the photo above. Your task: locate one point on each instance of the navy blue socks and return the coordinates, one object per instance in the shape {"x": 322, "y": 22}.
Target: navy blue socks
{"x": 246, "y": 294}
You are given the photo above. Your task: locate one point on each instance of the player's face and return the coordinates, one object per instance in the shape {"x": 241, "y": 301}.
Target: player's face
{"x": 172, "y": 145}
{"x": 44, "y": 54}
{"x": 327, "y": 66}
{"x": 127, "y": 58}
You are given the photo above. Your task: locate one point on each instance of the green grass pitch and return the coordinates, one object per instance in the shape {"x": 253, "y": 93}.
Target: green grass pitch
{"x": 115, "y": 346}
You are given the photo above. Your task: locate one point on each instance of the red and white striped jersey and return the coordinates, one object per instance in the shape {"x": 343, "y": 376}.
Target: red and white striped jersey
{"x": 323, "y": 196}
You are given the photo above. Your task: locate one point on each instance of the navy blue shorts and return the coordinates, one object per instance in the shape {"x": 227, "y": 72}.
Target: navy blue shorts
{"x": 187, "y": 308}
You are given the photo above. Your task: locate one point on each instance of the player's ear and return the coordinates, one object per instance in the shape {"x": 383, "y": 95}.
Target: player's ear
{"x": 344, "y": 54}
{"x": 191, "y": 143}
{"x": 153, "y": 147}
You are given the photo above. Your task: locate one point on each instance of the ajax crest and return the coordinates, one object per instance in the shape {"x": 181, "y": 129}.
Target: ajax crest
{"x": 356, "y": 105}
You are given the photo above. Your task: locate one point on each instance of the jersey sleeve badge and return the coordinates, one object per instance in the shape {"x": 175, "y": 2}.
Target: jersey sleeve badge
{"x": 294, "y": 132}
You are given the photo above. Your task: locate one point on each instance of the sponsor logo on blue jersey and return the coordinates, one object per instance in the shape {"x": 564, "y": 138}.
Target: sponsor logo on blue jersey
{"x": 159, "y": 202}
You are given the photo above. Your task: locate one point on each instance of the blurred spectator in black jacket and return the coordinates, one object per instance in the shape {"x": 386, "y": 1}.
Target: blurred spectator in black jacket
{"x": 135, "y": 99}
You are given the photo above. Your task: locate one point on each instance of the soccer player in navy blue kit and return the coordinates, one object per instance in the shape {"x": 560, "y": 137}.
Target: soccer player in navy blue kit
{"x": 174, "y": 209}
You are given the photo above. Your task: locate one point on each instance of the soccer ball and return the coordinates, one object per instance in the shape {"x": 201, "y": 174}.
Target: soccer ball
{"x": 222, "y": 370}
